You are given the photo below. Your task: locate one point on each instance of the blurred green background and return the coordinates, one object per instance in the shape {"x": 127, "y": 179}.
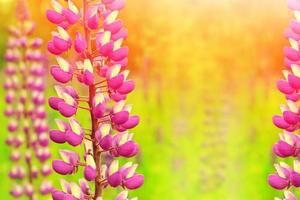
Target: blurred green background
{"x": 206, "y": 73}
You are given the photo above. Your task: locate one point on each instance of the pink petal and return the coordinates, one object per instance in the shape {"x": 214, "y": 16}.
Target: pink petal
{"x": 54, "y": 16}
{"x": 284, "y": 87}
{"x": 293, "y": 97}
{"x": 88, "y": 78}
{"x": 120, "y": 117}
{"x": 118, "y": 97}
{"x": 58, "y": 195}
{"x": 65, "y": 25}
{"x": 115, "y": 179}
{"x": 52, "y": 49}
{"x": 131, "y": 122}
{"x": 62, "y": 167}
{"x": 295, "y": 26}
{"x": 60, "y": 75}
{"x": 61, "y": 44}
{"x": 80, "y": 44}
{"x": 71, "y": 91}
{"x": 116, "y": 82}
{"x": 57, "y": 136}
{"x": 120, "y": 34}
{"x": 290, "y": 117}
{"x": 113, "y": 27}
{"x": 73, "y": 138}
{"x": 127, "y": 87}
{"x": 71, "y": 17}
{"x": 119, "y": 54}
{"x": 289, "y": 33}
{"x": 93, "y": 22}
{"x": 99, "y": 110}
{"x": 136, "y": 181}
{"x": 128, "y": 149}
{"x": 294, "y": 81}
{"x": 54, "y": 101}
{"x": 279, "y": 122}
{"x": 123, "y": 62}
{"x": 89, "y": 173}
{"x": 295, "y": 179}
{"x": 106, "y": 142}
{"x": 106, "y": 49}
{"x": 284, "y": 149}
{"x": 66, "y": 109}
{"x": 291, "y": 54}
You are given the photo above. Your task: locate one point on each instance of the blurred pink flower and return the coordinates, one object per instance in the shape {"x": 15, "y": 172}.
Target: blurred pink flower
{"x": 25, "y": 100}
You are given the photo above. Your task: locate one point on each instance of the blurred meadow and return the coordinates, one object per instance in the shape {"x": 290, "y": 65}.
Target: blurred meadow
{"x": 205, "y": 73}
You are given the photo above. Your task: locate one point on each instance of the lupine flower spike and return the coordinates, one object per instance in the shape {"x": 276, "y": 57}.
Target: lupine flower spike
{"x": 100, "y": 68}
{"x": 287, "y": 177}
{"x": 25, "y": 109}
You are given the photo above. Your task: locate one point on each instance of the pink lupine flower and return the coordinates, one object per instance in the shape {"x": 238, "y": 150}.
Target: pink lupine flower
{"x": 66, "y": 103}
{"x": 134, "y": 182}
{"x": 285, "y": 176}
{"x": 74, "y": 135}
{"x": 80, "y": 43}
{"x": 288, "y": 145}
{"x": 104, "y": 137}
{"x": 281, "y": 179}
{"x": 25, "y": 106}
{"x": 55, "y": 17}
{"x": 99, "y": 107}
{"x": 62, "y": 167}
{"x": 92, "y": 18}
{"x": 59, "y": 136}
{"x": 63, "y": 72}
{"x": 90, "y": 172}
{"x": 99, "y": 66}
{"x": 61, "y": 40}
{"x": 114, "y": 177}
{"x": 68, "y": 164}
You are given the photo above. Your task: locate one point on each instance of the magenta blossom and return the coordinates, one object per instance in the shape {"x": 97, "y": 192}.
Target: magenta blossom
{"x": 287, "y": 177}
{"x": 99, "y": 67}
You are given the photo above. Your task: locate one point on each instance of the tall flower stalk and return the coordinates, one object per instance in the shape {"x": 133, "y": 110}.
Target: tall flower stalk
{"x": 100, "y": 67}
{"x": 287, "y": 177}
{"x": 25, "y": 109}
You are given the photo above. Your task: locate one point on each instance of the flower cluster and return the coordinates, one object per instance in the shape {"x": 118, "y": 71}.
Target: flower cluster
{"x": 25, "y": 108}
{"x": 100, "y": 67}
{"x": 289, "y": 121}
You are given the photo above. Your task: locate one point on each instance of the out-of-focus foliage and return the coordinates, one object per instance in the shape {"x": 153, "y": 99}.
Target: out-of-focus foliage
{"x": 206, "y": 72}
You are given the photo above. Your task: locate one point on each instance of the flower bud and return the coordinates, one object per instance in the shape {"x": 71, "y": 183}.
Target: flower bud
{"x": 93, "y": 18}
{"x": 16, "y": 191}
{"x": 62, "y": 167}
{"x": 80, "y": 44}
{"x": 28, "y": 189}
{"x": 134, "y": 182}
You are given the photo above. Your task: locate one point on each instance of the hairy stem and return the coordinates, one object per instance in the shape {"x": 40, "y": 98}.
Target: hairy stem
{"x": 92, "y": 91}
